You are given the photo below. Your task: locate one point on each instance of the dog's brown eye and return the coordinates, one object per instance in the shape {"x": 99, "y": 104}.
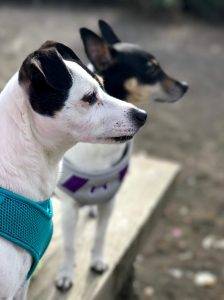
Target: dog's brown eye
{"x": 152, "y": 68}
{"x": 90, "y": 98}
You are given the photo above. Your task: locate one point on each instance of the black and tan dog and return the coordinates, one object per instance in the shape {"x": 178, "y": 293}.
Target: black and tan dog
{"x": 92, "y": 173}
{"x": 128, "y": 71}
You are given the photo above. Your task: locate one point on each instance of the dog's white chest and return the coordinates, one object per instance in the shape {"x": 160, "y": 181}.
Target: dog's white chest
{"x": 94, "y": 157}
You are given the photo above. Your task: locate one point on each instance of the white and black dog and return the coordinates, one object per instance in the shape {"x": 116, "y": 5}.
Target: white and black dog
{"x": 48, "y": 106}
{"x": 92, "y": 174}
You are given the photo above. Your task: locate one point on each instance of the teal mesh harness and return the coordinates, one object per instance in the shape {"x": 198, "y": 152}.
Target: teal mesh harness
{"x": 26, "y": 223}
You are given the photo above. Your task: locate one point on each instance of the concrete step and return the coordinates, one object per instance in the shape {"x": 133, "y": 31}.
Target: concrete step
{"x": 139, "y": 204}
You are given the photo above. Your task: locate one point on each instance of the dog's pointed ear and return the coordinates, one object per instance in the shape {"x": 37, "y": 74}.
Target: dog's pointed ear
{"x": 108, "y": 33}
{"x": 45, "y": 67}
{"x": 100, "y": 54}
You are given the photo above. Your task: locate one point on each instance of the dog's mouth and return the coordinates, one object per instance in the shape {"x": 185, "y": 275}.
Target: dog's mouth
{"x": 172, "y": 94}
{"x": 172, "y": 99}
{"x": 160, "y": 100}
{"x": 121, "y": 139}
{"x": 116, "y": 139}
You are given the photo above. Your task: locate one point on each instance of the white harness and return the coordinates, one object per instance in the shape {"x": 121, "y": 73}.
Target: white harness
{"x": 87, "y": 188}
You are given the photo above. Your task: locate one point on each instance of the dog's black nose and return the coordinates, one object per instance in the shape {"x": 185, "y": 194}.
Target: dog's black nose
{"x": 139, "y": 116}
{"x": 184, "y": 86}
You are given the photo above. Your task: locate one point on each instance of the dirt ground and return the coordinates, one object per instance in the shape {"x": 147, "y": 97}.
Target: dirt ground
{"x": 189, "y": 237}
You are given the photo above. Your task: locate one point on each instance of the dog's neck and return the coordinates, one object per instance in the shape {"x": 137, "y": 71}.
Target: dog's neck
{"x": 27, "y": 165}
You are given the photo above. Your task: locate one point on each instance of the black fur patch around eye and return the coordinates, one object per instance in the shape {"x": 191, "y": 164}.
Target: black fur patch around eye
{"x": 47, "y": 80}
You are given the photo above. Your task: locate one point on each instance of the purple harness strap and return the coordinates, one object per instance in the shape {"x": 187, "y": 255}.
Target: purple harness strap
{"x": 74, "y": 183}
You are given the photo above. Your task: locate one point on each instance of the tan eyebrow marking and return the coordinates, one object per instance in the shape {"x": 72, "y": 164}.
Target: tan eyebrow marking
{"x": 154, "y": 61}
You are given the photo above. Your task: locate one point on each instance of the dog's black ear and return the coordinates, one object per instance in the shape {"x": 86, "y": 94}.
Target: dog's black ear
{"x": 66, "y": 52}
{"x": 46, "y": 79}
{"x": 100, "y": 54}
{"x": 108, "y": 33}
{"x": 45, "y": 68}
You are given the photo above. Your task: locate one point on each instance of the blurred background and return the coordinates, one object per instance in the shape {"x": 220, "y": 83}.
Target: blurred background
{"x": 187, "y": 38}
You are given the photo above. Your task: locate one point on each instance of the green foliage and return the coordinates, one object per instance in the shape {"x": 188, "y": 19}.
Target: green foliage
{"x": 164, "y": 4}
{"x": 210, "y": 9}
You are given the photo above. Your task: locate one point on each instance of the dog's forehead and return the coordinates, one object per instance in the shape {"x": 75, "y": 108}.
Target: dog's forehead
{"x": 80, "y": 74}
{"x": 128, "y": 47}
{"x": 132, "y": 53}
